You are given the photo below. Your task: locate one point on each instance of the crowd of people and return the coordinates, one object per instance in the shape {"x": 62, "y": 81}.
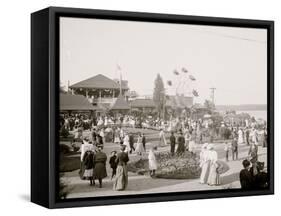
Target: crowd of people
{"x": 185, "y": 134}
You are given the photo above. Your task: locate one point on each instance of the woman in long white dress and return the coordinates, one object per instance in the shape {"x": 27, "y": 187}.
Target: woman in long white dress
{"x": 152, "y": 163}
{"x": 191, "y": 143}
{"x": 240, "y": 136}
{"x": 139, "y": 148}
{"x": 126, "y": 143}
{"x": 117, "y": 136}
{"x": 204, "y": 164}
{"x": 214, "y": 178}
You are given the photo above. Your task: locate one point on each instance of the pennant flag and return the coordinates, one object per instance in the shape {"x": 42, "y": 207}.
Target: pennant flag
{"x": 195, "y": 93}
{"x": 176, "y": 72}
{"x": 192, "y": 77}
{"x": 184, "y": 70}
{"x": 169, "y": 83}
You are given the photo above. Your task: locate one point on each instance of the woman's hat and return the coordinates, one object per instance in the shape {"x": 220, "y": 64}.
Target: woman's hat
{"x": 210, "y": 146}
{"x": 205, "y": 145}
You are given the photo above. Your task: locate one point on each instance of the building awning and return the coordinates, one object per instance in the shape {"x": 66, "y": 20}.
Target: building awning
{"x": 74, "y": 102}
{"x": 99, "y": 82}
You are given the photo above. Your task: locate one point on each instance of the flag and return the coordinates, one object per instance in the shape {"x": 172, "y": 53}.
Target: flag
{"x": 184, "y": 70}
{"x": 192, "y": 77}
{"x": 169, "y": 83}
{"x": 195, "y": 93}
{"x": 176, "y": 72}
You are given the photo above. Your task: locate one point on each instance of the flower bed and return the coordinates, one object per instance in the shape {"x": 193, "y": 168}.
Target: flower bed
{"x": 184, "y": 166}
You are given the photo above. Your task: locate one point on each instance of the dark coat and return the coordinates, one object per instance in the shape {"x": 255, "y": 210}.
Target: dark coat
{"x": 143, "y": 140}
{"x": 246, "y": 179}
{"x": 100, "y": 168}
{"x": 181, "y": 142}
{"x": 131, "y": 140}
{"x": 173, "y": 140}
{"x": 261, "y": 180}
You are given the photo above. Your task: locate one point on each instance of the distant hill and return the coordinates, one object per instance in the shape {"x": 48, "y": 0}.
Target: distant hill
{"x": 242, "y": 107}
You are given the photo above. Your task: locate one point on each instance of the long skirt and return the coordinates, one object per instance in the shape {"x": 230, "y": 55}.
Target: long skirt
{"x": 240, "y": 139}
{"x": 88, "y": 173}
{"x": 214, "y": 178}
{"x": 139, "y": 148}
{"x": 121, "y": 180}
{"x": 128, "y": 148}
{"x": 191, "y": 146}
{"x": 100, "y": 171}
{"x": 205, "y": 170}
{"x": 82, "y": 171}
{"x": 162, "y": 141}
{"x": 152, "y": 164}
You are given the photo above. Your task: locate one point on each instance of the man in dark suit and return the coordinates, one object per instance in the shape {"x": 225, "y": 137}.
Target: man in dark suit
{"x": 131, "y": 142}
{"x": 246, "y": 179}
{"x": 172, "y": 143}
{"x": 143, "y": 139}
{"x": 234, "y": 146}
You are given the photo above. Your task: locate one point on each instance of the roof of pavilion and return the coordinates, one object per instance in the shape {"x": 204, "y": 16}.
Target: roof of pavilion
{"x": 99, "y": 82}
{"x": 74, "y": 102}
{"x": 143, "y": 103}
{"x": 120, "y": 104}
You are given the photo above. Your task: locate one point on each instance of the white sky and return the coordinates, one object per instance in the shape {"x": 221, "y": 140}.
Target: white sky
{"x": 234, "y": 60}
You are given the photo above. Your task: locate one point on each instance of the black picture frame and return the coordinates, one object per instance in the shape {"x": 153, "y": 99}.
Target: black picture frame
{"x": 45, "y": 104}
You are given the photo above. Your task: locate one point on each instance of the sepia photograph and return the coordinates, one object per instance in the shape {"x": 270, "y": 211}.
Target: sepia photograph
{"x": 149, "y": 108}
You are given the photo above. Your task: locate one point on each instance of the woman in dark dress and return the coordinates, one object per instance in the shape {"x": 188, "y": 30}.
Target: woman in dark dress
{"x": 121, "y": 180}
{"x": 89, "y": 166}
{"x": 181, "y": 142}
{"x": 100, "y": 165}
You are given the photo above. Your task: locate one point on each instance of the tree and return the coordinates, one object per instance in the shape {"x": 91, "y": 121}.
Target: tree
{"x": 159, "y": 93}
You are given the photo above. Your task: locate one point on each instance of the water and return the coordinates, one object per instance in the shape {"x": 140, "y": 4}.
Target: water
{"x": 256, "y": 113}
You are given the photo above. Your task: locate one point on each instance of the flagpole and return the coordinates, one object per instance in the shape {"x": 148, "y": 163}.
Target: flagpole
{"x": 120, "y": 83}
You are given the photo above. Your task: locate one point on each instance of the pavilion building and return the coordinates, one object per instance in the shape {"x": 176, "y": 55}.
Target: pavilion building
{"x": 100, "y": 90}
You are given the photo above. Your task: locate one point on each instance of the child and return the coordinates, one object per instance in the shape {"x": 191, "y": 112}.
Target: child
{"x": 227, "y": 147}
{"x": 152, "y": 162}
{"x": 89, "y": 166}
{"x": 113, "y": 164}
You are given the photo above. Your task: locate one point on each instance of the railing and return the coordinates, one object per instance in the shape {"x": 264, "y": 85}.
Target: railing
{"x": 101, "y": 100}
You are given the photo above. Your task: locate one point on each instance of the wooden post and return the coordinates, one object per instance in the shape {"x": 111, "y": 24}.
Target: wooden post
{"x": 100, "y": 96}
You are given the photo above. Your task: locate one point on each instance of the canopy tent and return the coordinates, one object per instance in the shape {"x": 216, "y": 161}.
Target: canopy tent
{"x": 70, "y": 102}
{"x": 120, "y": 104}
